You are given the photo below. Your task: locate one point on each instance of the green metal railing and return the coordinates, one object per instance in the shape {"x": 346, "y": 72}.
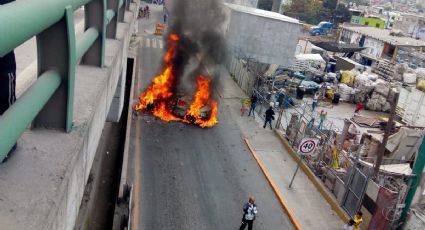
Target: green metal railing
{"x": 85, "y": 42}
{"x": 48, "y": 103}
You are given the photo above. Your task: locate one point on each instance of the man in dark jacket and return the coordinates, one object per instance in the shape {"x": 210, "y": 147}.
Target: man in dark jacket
{"x": 249, "y": 213}
{"x": 253, "y": 105}
{"x": 7, "y": 77}
{"x": 269, "y": 117}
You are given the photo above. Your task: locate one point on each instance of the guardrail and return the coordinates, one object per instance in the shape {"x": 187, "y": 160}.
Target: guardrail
{"x": 48, "y": 103}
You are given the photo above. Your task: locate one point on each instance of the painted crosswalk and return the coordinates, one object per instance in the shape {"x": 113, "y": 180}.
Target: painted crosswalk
{"x": 149, "y": 42}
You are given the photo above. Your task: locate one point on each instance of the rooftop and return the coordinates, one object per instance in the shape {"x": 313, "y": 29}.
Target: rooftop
{"x": 261, "y": 13}
{"x": 384, "y": 35}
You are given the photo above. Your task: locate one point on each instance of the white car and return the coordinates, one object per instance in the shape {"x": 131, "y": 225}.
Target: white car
{"x": 182, "y": 105}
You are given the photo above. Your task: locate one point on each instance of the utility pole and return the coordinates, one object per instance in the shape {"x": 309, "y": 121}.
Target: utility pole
{"x": 388, "y": 128}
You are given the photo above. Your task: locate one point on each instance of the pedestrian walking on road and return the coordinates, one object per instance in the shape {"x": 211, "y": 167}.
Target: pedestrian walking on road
{"x": 349, "y": 225}
{"x": 147, "y": 12}
{"x": 249, "y": 213}
{"x": 253, "y": 105}
{"x": 269, "y": 117}
{"x": 165, "y": 18}
{"x": 323, "y": 115}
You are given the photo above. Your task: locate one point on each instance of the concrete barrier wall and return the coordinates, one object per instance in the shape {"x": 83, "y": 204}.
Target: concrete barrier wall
{"x": 42, "y": 184}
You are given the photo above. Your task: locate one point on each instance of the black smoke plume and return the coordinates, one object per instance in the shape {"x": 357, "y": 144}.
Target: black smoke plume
{"x": 199, "y": 25}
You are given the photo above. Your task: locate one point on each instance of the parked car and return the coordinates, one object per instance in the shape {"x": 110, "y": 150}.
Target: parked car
{"x": 323, "y": 28}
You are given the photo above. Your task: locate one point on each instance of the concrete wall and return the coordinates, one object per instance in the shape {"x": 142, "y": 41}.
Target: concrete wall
{"x": 268, "y": 40}
{"x": 42, "y": 184}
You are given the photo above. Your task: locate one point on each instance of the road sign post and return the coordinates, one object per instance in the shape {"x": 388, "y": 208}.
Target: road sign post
{"x": 306, "y": 147}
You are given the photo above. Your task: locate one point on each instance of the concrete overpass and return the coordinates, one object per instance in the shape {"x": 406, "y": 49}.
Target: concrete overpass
{"x": 42, "y": 183}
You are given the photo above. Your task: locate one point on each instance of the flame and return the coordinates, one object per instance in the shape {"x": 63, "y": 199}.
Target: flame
{"x": 158, "y": 96}
{"x": 201, "y": 100}
{"x": 201, "y": 97}
{"x": 213, "y": 117}
{"x": 162, "y": 85}
{"x": 162, "y": 111}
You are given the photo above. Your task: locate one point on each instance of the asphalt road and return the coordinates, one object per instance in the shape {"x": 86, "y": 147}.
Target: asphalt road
{"x": 186, "y": 177}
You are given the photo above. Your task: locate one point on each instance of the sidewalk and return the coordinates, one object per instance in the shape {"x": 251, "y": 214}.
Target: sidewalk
{"x": 307, "y": 204}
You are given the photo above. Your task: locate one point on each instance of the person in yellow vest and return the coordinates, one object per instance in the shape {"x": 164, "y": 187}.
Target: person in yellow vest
{"x": 358, "y": 220}
{"x": 335, "y": 156}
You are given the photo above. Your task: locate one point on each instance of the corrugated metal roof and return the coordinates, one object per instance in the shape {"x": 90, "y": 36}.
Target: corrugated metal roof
{"x": 261, "y": 13}
{"x": 384, "y": 35}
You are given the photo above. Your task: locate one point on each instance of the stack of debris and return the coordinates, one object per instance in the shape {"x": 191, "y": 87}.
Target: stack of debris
{"x": 378, "y": 99}
{"x": 363, "y": 87}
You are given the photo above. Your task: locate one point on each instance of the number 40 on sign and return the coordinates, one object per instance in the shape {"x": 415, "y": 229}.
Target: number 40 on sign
{"x": 307, "y": 146}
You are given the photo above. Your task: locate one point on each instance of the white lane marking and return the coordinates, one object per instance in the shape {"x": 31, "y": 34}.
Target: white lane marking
{"x": 148, "y": 42}
{"x": 154, "y": 43}
{"x": 141, "y": 41}
{"x": 161, "y": 44}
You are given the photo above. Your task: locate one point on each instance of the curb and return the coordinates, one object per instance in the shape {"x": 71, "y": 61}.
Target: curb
{"x": 274, "y": 187}
{"x": 317, "y": 183}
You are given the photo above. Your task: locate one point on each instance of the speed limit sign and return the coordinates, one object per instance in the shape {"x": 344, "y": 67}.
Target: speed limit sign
{"x": 307, "y": 146}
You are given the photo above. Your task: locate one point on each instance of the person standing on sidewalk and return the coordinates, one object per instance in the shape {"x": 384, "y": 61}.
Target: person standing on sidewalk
{"x": 249, "y": 213}
{"x": 253, "y": 105}
{"x": 269, "y": 117}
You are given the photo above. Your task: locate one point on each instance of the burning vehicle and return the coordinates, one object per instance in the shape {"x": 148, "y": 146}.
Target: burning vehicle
{"x": 181, "y": 106}
{"x": 195, "y": 44}
{"x": 160, "y": 97}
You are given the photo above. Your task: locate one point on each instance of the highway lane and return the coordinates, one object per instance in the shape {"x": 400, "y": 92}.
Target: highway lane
{"x": 186, "y": 177}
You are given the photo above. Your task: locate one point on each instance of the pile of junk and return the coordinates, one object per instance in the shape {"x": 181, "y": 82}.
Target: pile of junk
{"x": 309, "y": 75}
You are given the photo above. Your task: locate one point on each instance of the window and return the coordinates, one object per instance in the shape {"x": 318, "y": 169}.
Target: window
{"x": 366, "y": 23}
{"x": 377, "y": 25}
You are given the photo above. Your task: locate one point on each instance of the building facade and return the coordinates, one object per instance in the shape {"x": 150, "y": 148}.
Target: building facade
{"x": 265, "y": 36}
{"x": 370, "y": 21}
{"x": 380, "y": 44}
{"x": 412, "y": 25}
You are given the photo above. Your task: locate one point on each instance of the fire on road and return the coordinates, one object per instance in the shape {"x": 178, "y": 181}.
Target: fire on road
{"x": 159, "y": 97}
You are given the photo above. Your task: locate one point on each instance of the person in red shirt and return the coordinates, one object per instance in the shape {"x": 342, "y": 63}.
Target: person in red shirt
{"x": 359, "y": 107}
